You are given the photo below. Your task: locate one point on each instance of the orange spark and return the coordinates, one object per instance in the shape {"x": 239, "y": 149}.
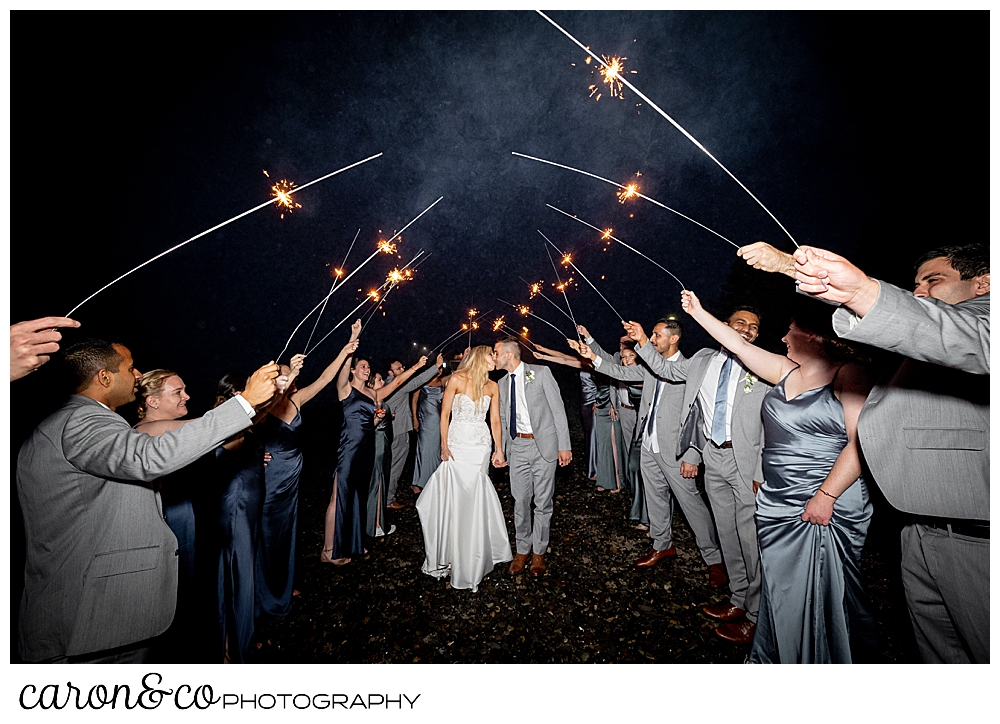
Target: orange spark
{"x": 473, "y": 313}
{"x": 282, "y": 193}
{"x": 465, "y": 326}
{"x": 339, "y": 272}
{"x": 536, "y": 288}
{"x": 374, "y": 294}
{"x": 611, "y": 74}
{"x": 627, "y": 192}
{"x": 395, "y": 277}
{"x": 475, "y": 325}
{"x": 498, "y": 324}
{"x": 386, "y": 247}
{"x": 567, "y": 259}
{"x": 524, "y": 331}
{"x": 523, "y": 310}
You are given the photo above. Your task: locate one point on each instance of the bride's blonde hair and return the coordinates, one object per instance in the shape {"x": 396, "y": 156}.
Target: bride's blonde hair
{"x": 475, "y": 372}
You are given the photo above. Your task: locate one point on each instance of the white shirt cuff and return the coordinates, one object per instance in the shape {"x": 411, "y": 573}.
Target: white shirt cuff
{"x": 247, "y": 407}
{"x": 597, "y": 363}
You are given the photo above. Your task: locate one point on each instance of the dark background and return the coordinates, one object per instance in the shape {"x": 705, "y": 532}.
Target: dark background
{"x": 865, "y": 133}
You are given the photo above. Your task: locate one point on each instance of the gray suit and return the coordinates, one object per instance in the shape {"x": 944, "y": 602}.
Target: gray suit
{"x": 101, "y": 565}
{"x": 398, "y": 405}
{"x": 729, "y": 472}
{"x": 925, "y": 432}
{"x": 661, "y": 472}
{"x": 533, "y": 462}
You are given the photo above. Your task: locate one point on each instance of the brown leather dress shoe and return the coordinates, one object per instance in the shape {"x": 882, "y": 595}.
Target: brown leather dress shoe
{"x": 655, "y": 557}
{"x": 517, "y": 565}
{"x": 717, "y": 577}
{"x": 537, "y": 565}
{"x": 395, "y": 505}
{"x": 724, "y": 611}
{"x": 738, "y": 632}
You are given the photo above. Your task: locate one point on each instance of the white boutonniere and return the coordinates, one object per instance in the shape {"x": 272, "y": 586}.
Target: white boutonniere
{"x": 748, "y": 382}
{"x": 529, "y": 376}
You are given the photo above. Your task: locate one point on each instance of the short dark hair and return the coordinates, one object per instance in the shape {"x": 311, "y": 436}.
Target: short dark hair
{"x": 670, "y": 322}
{"x": 746, "y": 308}
{"x": 86, "y": 358}
{"x": 512, "y": 345}
{"x": 969, "y": 260}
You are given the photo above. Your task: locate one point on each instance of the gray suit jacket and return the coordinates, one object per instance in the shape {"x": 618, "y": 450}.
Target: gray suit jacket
{"x": 747, "y": 428}
{"x": 668, "y": 412}
{"x": 545, "y": 408}
{"x": 398, "y": 403}
{"x": 925, "y": 428}
{"x": 101, "y": 567}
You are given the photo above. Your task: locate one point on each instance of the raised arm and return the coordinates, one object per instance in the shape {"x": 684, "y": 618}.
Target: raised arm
{"x": 851, "y": 388}
{"x": 417, "y": 381}
{"x": 550, "y": 355}
{"x": 302, "y": 396}
{"x": 763, "y": 256}
{"x": 674, "y": 371}
{"x": 403, "y": 377}
{"x": 766, "y": 365}
{"x": 604, "y": 365}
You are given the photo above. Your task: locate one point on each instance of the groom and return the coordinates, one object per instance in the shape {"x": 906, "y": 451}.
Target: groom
{"x": 535, "y": 437}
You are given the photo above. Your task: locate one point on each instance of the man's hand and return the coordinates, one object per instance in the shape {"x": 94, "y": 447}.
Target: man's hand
{"x": 582, "y": 349}
{"x": 756, "y": 486}
{"x": 761, "y": 255}
{"x": 688, "y": 470}
{"x": 583, "y": 331}
{"x": 831, "y": 277}
{"x": 32, "y": 342}
{"x": 565, "y": 458}
{"x": 420, "y": 362}
{"x": 635, "y": 333}
{"x": 819, "y": 509}
{"x": 261, "y": 385}
{"x": 498, "y": 459}
{"x": 356, "y": 329}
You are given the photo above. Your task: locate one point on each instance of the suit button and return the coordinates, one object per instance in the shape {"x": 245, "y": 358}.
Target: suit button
{"x": 177, "y": 551}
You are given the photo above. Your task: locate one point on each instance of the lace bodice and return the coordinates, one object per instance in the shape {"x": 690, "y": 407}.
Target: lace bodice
{"x": 468, "y": 421}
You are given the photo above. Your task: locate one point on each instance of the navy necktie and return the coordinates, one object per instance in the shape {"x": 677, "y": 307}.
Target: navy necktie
{"x": 721, "y": 400}
{"x": 652, "y": 409}
{"x": 513, "y": 407}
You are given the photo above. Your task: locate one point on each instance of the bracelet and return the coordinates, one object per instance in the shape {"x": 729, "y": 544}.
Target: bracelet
{"x": 828, "y": 494}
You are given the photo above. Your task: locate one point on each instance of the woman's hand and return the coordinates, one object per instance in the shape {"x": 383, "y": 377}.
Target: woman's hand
{"x": 439, "y": 362}
{"x": 297, "y": 362}
{"x": 356, "y": 329}
{"x": 614, "y": 413}
{"x": 351, "y": 347}
{"x": 690, "y": 302}
{"x": 819, "y": 509}
{"x": 583, "y": 331}
{"x": 445, "y": 452}
{"x": 582, "y": 349}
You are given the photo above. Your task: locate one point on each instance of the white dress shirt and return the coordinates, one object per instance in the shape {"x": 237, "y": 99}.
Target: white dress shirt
{"x": 649, "y": 441}
{"x": 709, "y": 385}
{"x": 523, "y": 420}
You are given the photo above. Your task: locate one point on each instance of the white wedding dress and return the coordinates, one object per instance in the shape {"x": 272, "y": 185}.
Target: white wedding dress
{"x": 465, "y": 533}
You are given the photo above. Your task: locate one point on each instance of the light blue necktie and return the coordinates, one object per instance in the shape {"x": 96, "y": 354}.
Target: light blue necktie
{"x": 721, "y": 398}
{"x": 652, "y": 409}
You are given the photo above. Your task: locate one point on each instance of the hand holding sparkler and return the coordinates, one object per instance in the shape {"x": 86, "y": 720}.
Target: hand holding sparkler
{"x": 356, "y": 329}
{"x": 832, "y": 278}
{"x": 635, "y": 333}
{"x": 582, "y": 331}
{"x": 582, "y": 349}
{"x": 261, "y": 386}
{"x": 32, "y": 342}
{"x": 761, "y": 255}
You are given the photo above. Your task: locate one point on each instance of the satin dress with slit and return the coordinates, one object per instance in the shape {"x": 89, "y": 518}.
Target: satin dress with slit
{"x": 377, "y": 511}
{"x": 241, "y": 475}
{"x": 813, "y": 605}
{"x": 603, "y": 442}
{"x": 353, "y": 475}
{"x": 279, "y": 518}
{"x": 465, "y": 534}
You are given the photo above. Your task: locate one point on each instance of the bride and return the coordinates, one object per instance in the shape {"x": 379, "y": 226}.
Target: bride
{"x": 465, "y": 533}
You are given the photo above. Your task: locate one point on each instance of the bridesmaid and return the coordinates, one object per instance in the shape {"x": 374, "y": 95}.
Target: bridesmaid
{"x": 346, "y": 513}
{"x": 377, "y": 510}
{"x": 813, "y": 509}
{"x": 275, "y": 574}
{"x": 427, "y": 422}
{"x": 603, "y": 442}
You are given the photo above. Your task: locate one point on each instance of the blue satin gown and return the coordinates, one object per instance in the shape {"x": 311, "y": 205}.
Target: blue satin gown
{"x": 429, "y": 434}
{"x": 279, "y": 519}
{"x": 353, "y": 475}
{"x": 813, "y": 606}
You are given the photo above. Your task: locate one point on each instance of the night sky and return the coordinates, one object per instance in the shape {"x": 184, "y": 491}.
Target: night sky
{"x": 865, "y": 133}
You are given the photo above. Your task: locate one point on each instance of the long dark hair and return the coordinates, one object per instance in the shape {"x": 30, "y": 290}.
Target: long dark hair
{"x": 229, "y": 386}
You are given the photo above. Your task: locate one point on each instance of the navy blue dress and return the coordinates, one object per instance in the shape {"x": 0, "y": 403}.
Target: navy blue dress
{"x": 279, "y": 519}
{"x": 353, "y": 475}
{"x": 377, "y": 510}
{"x": 241, "y": 475}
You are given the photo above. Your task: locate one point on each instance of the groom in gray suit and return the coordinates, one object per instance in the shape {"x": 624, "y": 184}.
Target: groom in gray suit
{"x": 721, "y": 412}
{"x": 535, "y": 438}
{"x": 100, "y": 575}
{"x": 925, "y": 430}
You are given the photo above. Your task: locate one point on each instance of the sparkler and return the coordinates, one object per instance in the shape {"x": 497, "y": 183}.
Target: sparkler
{"x": 525, "y": 312}
{"x": 395, "y": 278}
{"x": 463, "y": 328}
{"x": 611, "y": 74}
{"x": 536, "y": 290}
{"x": 338, "y": 273}
{"x": 635, "y": 192}
{"x": 627, "y": 192}
{"x": 498, "y": 323}
{"x": 282, "y": 192}
{"x": 385, "y": 246}
{"x": 606, "y": 234}
{"x": 218, "y": 226}
{"x": 561, "y": 286}
{"x": 567, "y": 259}
{"x": 672, "y": 121}
{"x": 519, "y": 335}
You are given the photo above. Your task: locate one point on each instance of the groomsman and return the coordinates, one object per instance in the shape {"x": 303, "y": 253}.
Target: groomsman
{"x": 660, "y": 414}
{"x": 398, "y": 406}
{"x": 535, "y": 438}
{"x": 722, "y": 402}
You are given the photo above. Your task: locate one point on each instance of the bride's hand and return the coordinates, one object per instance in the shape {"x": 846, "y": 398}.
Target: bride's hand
{"x": 445, "y": 452}
{"x": 498, "y": 459}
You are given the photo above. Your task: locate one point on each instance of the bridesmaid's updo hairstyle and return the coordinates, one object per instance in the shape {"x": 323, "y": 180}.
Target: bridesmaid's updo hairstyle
{"x": 150, "y": 385}
{"x": 229, "y": 386}
{"x": 815, "y": 317}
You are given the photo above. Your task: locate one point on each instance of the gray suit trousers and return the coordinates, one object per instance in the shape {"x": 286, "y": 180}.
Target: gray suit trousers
{"x": 947, "y": 582}
{"x": 663, "y": 482}
{"x": 734, "y": 506}
{"x": 399, "y": 451}
{"x": 531, "y": 477}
